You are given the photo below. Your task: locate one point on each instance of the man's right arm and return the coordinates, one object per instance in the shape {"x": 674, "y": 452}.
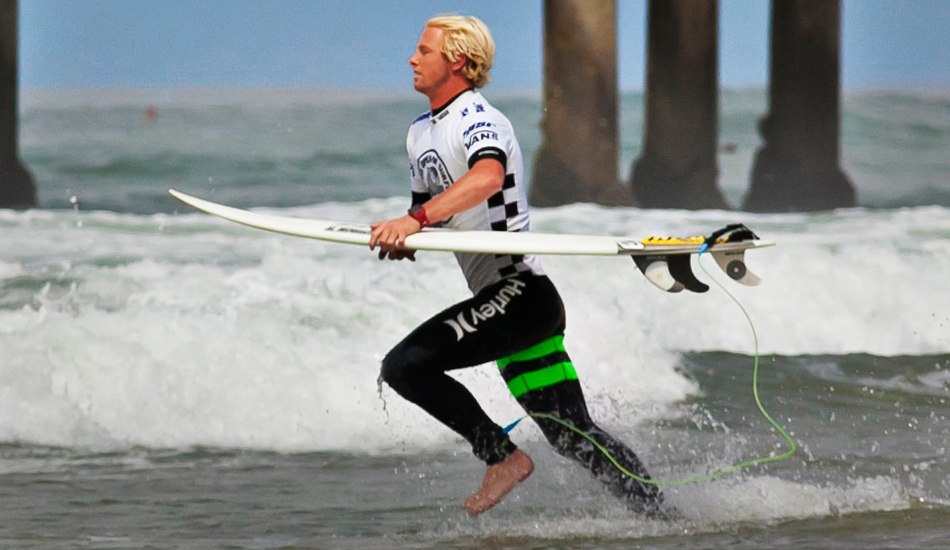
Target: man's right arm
{"x": 419, "y": 197}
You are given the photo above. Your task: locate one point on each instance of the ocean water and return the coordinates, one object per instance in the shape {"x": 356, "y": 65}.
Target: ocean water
{"x": 170, "y": 380}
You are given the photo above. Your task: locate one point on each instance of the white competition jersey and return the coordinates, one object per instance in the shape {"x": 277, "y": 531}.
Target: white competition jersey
{"x": 442, "y": 146}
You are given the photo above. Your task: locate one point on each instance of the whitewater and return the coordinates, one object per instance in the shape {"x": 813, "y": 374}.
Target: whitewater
{"x": 173, "y": 331}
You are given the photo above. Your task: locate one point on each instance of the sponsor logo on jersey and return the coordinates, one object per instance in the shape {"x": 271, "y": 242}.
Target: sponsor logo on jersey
{"x": 476, "y": 126}
{"x": 480, "y": 136}
{"x": 467, "y": 322}
{"x": 434, "y": 172}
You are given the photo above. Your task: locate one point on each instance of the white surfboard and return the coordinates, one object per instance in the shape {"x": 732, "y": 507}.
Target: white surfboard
{"x": 652, "y": 254}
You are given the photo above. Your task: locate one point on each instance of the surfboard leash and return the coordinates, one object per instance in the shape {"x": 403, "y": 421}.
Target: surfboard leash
{"x": 755, "y": 393}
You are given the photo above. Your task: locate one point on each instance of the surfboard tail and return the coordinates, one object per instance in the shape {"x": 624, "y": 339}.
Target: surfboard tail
{"x": 672, "y": 271}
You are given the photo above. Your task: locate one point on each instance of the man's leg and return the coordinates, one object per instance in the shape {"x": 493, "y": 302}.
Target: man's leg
{"x": 466, "y": 335}
{"x": 408, "y": 371}
{"x": 543, "y": 380}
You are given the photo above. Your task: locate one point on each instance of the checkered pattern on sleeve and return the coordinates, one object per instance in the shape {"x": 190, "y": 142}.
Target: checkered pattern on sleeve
{"x": 503, "y": 205}
{"x": 503, "y": 212}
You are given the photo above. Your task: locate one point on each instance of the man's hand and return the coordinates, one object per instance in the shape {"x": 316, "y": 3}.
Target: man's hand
{"x": 400, "y": 254}
{"x": 391, "y": 236}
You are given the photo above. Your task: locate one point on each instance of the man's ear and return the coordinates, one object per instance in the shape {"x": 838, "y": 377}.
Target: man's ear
{"x": 457, "y": 65}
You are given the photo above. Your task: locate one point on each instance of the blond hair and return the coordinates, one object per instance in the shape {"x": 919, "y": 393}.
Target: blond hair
{"x": 468, "y": 36}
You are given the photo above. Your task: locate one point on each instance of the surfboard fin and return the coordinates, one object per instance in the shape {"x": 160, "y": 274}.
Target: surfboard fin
{"x": 683, "y": 273}
{"x": 733, "y": 263}
{"x": 656, "y": 269}
{"x": 669, "y": 272}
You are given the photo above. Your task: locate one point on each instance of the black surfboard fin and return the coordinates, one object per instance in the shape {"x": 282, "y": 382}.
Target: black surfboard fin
{"x": 683, "y": 273}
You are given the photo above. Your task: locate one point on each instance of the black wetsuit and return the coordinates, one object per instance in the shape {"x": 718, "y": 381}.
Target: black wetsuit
{"x": 508, "y": 317}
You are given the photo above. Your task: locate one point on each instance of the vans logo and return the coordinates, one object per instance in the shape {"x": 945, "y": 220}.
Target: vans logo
{"x": 467, "y": 322}
{"x": 481, "y": 135}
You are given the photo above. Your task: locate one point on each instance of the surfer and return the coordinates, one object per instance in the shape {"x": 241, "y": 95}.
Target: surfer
{"x": 466, "y": 172}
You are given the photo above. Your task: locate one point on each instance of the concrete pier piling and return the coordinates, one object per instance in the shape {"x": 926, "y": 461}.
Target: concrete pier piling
{"x": 677, "y": 167}
{"x": 17, "y": 189}
{"x": 577, "y": 161}
{"x": 797, "y": 167}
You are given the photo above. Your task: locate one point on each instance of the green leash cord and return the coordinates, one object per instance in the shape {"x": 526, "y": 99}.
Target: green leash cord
{"x": 714, "y": 475}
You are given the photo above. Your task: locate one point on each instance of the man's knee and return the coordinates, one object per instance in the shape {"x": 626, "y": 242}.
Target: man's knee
{"x": 393, "y": 369}
{"x": 400, "y": 366}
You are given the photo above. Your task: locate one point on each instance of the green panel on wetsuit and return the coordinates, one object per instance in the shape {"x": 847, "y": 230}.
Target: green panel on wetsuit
{"x": 547, "y": 347}
{"x": 542, "y": 377}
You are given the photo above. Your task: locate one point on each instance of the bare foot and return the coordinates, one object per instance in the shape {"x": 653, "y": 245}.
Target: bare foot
{"x": 499, "y": 480}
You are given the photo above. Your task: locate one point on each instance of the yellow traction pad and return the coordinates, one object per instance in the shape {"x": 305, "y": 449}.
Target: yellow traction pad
{"x": 665, "y": 241}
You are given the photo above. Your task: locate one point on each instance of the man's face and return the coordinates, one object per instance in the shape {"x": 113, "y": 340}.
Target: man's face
{"x": 430, "y": 69}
